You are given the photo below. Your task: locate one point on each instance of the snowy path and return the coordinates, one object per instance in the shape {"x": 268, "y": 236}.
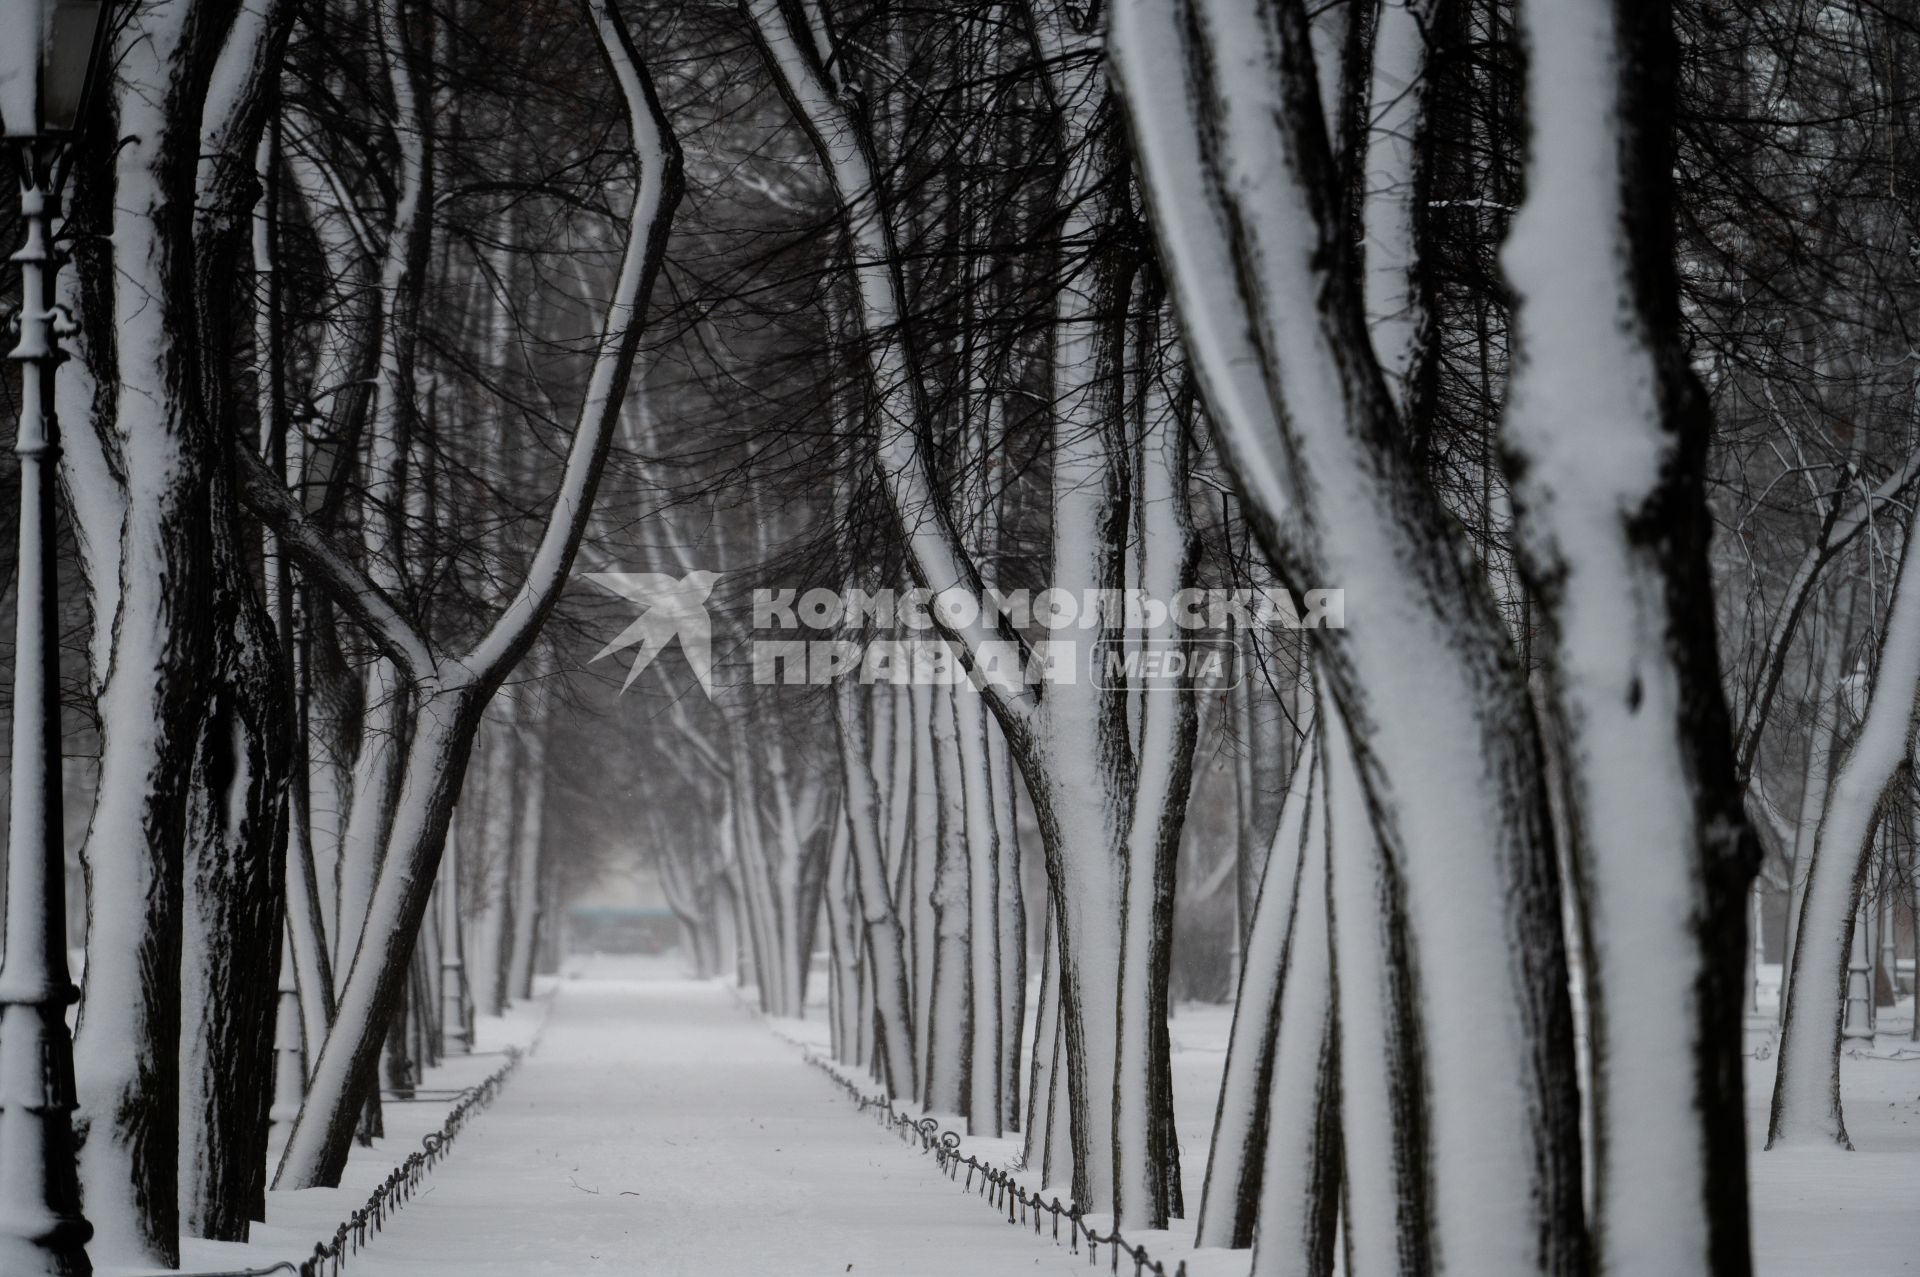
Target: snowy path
{"x": 659, "y": 1129}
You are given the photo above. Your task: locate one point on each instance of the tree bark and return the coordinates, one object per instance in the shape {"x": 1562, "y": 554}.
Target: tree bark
{"x": 950, "y": 996}
{"x": 1432, "y": 695}
{"x": 1806, "y": 1089}
{"x": 1230, "y": 1198}
{"x": 528, "y": 844}
{"x": 885, "y": 944}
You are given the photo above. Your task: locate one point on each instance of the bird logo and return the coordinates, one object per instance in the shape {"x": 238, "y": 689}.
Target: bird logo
{"x": 670, "y": 607}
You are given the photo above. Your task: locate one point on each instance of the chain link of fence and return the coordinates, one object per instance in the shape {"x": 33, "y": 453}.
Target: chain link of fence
{"x": 330, "y": 1258}
{"x": 1001, "y": 1191}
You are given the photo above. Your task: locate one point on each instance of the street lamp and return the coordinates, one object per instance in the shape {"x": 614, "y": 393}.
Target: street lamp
{"x": 50, "y": 59}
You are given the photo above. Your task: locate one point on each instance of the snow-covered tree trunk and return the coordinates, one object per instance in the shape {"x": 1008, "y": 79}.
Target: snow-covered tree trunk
{"x": 397, "y": 1064}
{"x": 1605, "y": 435}
{"x": 374, "y": 783}
{"x": 687, "y": 877}
{"x": 497, "y": 805}
{"x": 1048, "y": 1143}
{"x": 845, "y": 942}
{"x": 1913, "y": 912}
{"x": 1249, "y": 210}
{"x": 1246, "y": 879}
{"x": 237, "y": 814}
{"x": 917, "y": 871}
{"x": 289, "y": 1046}
{"x": 1011, "y": 909}
{"x": 333, "y": 694}
{"x": 1163, "y": 727}
{"x": 986, "y": 1070}
{"x": 1370, "y": 1026}
{"x": 153, "y": 623}
{"x": 1299, "y": 1181}
{"x": 1822, "y": 744}
{"x": 757, "y": 875}
{"x": 332, "y": 719}
{"x": 886, "y": 957}
{"x": 528, "y": 841}
{"x": 1077, "y": 750}
{"x": 450, "y": 691}
{"x": 733, "y": 937}
{"x": 1230, "y": 1198}
{"x": 1806, "y": 1089}
{"x": 739, "y": 914}
{"x": 427, "y": 998}
{"x": 141, "y": 489}
{"x": 456, "y": 1006}
{"x": 305, "y": 938}
{"x": 797, "y": 848}
{"x": 893, "y": 718}
{"x": 371, "y": 995}
{"x": 307, "y": 933}
{"x": 950, "y": 995}
{"x": 232, "y": 923}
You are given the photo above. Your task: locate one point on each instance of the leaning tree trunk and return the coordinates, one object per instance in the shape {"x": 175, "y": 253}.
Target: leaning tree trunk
{"x": 346, "y": 1069}
{"x": 1230, "y": 1199}
{"x": 1048, "y": 1146}
{"x": 1806, "y": 1089}
{"x": 1822, "y": 744}
{"x": 1380, "y": 1157}
{"x": 452, "y": 691}
{"x": 369, "y": 817}
{"x": 1299, "y": 1180}
{"x": 1437, "y": 706}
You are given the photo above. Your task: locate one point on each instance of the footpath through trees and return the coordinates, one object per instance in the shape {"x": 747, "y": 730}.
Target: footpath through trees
{"x": 659, "y": 1129}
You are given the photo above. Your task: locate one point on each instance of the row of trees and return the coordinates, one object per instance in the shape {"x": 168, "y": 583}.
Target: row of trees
{"x": 1482, "y": 311}
{"x": 1488, "y": 313}
{"x": 359, "y": 288}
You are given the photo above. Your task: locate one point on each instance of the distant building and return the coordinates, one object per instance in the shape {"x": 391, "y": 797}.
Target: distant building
{"x": 624, "y": 912}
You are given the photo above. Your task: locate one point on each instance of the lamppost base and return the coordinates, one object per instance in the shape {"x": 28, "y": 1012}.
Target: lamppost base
{"x": 42, "y": 1233}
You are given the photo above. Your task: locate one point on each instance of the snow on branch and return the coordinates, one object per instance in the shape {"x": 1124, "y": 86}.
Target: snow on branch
{"x": 1150, "y": 49}
{"x": 936, "y": 557}
{"x": 658, "y": 157}
{"x": 371, "y": 607}
{"x": 658, "y": 191}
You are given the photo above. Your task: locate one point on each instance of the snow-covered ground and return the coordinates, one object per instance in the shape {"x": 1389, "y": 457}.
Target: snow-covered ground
{"x": 661, "y": 1128}
{"x": 296, "y": 1222}
{"x": 1817, "y": 1213}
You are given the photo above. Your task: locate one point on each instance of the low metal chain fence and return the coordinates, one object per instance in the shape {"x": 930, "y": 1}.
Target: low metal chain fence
{"x": 330, "y": 1258}
{"x": 1021, "y": 1205}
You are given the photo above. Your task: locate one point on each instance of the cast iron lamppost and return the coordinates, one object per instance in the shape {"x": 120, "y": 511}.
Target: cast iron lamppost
{"x": 50, "y": 55}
